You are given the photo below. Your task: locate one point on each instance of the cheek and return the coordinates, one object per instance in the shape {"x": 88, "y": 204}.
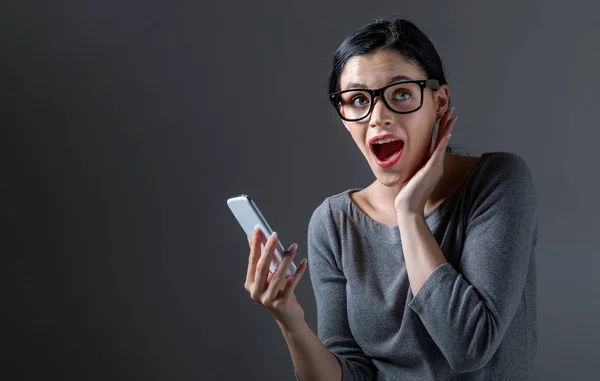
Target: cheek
{"x": 418, "y": 147}
{"x": 420, "y": 132}
{"x": 420, "y": 139}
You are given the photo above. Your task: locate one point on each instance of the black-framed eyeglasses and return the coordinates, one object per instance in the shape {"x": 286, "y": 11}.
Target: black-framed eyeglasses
{"x": 401, "y": 97}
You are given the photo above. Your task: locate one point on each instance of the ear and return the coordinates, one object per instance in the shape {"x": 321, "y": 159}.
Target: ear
{"x": 442, "y": 101}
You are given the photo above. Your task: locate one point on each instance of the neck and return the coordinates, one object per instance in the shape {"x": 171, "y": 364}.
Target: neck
{"x": 383, "y": 197}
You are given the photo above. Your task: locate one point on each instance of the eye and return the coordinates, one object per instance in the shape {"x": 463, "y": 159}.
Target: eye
{"x": 401, "y": 94}
{"x": 359, "y": 100}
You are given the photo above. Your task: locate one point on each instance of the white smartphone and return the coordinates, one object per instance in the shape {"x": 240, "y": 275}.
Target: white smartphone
{"x": 248, "y": 215}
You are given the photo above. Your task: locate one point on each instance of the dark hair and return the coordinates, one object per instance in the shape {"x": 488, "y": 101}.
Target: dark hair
{"x": 400, "y": 35}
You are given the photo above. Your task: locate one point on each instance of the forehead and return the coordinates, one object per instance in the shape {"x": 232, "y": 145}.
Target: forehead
{"x": 375, "y": 69}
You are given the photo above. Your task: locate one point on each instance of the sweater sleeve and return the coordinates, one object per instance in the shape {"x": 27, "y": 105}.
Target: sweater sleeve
{"x": 329, "y": 286}
{"x": 468, "y": 310}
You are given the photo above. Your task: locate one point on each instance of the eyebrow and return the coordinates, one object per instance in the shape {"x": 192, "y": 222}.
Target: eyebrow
{"x": 358, "y": 85}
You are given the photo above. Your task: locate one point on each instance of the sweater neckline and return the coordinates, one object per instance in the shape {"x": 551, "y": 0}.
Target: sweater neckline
{"x": 391, "y": 233}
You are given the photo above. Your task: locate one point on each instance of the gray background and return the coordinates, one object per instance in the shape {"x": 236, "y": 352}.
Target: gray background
{"x": 127, "y": 124}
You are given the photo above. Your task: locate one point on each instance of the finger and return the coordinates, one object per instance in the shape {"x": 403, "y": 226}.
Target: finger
{"x": 445, "y": 124}
{"x": 451, "y": 124}
{"x": 446, "y": 117}
{"x": 438, "y": 155}
{"x": 440, "y": 150}
{"x": 278, "y": 280}
{"x": 254, "y": 243}
{"x": 442, "y": 130}
{"x": 442, "y": 126}
{"x": 445, "y": 130}
{"x": 451, "y": 128}
{"x": 264, "y": 263}
{"x": 292, "y": 282}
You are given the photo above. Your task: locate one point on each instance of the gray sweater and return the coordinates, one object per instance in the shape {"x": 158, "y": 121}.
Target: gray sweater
{"x": 474, "y": 318}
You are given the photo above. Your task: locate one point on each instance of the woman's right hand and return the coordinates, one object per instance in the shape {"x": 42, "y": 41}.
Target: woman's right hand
{"x": 274, "y": 291}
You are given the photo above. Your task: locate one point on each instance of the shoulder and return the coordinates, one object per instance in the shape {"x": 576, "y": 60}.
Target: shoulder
{"x": 323, "y": 232}
{"x": 327, "y": 219}
{"x": 502, "y": 165}
{"x": 501, "y": 178}
{"x": 326, "y": 209}
{"x": 502, "y": 170}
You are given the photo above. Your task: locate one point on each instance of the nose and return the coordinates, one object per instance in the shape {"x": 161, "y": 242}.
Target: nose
{"x": 380, "y": 115}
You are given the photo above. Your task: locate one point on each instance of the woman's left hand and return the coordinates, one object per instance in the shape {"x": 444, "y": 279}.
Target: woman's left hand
{"x": 414, "y": 194}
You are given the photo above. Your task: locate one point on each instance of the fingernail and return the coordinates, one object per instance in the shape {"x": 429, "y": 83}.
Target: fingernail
{"x": 293, "y": 246}
{"x": 449, "y": 136}
{"x": 256, "y": 227}
{"x": 303, "y": 261}
{"x": 274, "y": 235}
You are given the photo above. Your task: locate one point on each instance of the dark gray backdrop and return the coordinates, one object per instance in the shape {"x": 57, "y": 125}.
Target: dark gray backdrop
{"x": 126, "y": 124}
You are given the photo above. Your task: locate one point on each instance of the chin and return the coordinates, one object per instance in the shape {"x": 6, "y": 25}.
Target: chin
{"x": 390, "y": 180}
{"x": 389, "y": 177}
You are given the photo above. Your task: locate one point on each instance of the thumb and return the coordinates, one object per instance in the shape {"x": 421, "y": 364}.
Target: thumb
{"x": 292, "y": 282}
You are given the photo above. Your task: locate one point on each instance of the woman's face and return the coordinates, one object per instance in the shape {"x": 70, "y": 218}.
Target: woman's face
{"x": 396, "y": 162}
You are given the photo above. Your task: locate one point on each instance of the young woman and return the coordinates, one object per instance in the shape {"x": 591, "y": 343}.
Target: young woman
{"x": 428, "y": 273}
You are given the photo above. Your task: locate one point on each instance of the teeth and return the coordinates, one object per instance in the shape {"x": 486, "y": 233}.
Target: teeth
{"x": 386, "y": 140}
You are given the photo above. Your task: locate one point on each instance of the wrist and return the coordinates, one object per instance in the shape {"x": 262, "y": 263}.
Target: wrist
{"x": 291, "y": 328}
{"x": 406, "y": 218}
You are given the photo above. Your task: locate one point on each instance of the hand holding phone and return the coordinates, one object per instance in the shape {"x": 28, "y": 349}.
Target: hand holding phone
{"x": 269, "y": 286}
{"x": 248, "y": 216}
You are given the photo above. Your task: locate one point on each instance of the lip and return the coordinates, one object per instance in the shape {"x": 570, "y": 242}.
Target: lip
{"x": 381, "y": 137}
{"x": 393, "y": 159}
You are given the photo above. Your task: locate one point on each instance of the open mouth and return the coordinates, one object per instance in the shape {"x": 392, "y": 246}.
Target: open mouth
{"x": 387, "y": 149}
